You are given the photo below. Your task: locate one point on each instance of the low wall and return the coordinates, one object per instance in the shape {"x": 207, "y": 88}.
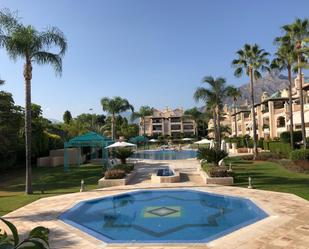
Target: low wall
{"x": 43, "y": 161}
{"x": 56, "y": 158}
{"x": 56, "y": 161}
{"x": 103, "y": 183}
{"x": 165, "y": 179}
{"x": 226, "y": 181}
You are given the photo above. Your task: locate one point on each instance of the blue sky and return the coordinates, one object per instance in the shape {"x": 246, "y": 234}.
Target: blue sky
{"x": 152, "y": 52}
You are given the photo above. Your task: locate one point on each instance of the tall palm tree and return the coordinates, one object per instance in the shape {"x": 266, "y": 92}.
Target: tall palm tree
{"x": 213, "y": 96}
{"x": 32, "y": 46}
{"x": 196, "y": 115}
{"x": 115, "y": 106}
{"x": 285, "y": 58}
{"x": 251, "y": 59}
{"x": 298, "y": 34}
{"x": 235, "y": 94}
{"x": 144, "y": 111}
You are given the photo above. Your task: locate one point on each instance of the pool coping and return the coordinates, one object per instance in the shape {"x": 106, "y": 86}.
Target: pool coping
{"x": 261, "y": 214}
{"x": 282, "y": 208}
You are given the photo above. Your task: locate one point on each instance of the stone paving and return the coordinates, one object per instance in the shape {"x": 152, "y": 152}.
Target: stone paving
{"x": 286, "y": 227}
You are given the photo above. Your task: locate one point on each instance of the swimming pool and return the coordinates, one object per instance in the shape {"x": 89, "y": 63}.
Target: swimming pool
{"x": 165, "y": 154}
{"x": 162, "y": 216}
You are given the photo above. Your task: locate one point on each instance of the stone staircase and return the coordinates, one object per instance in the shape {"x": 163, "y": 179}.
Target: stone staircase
{"x": 192, "y": 176}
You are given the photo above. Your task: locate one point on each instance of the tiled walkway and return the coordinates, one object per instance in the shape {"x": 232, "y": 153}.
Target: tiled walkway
{"x": 286, "y": 227}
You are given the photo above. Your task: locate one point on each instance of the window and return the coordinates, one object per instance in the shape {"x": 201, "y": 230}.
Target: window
{"x": 175, "y": 127}
{"x": 281, "y": 122}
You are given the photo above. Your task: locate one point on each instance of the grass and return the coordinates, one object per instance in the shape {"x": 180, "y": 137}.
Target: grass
{"x": 54, "y": 181}
{"x": 270, "y": 176}
{"x": 46, "y": 182}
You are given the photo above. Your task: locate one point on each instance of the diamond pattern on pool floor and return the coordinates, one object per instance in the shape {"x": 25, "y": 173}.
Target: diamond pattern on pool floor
{"x": 162, "y": 212}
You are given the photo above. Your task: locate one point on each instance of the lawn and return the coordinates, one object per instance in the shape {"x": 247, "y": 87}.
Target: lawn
{"x": 270, "y": 176}
{"x": 46, "y": 182}
{"x": 54, "y": 181}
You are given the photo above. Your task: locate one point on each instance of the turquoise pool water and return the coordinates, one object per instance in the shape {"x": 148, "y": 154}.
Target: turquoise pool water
{"x": 163, "y": 216}
{"x": 165, "y": 154}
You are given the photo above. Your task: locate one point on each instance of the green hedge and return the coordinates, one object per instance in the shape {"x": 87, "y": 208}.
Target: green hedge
{"x": 281, "y": 148}
{"x": 285, "y": 136}
{"x": 300, "y": 154}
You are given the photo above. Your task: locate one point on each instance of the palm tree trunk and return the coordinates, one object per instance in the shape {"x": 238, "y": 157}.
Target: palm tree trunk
{"x": 28, "y": 77}
{"x": 215, "y": 125}
{"x": 196, "y": 128}
{"x": 291, "y": 107}
{"x": 301, "y": 98}
{"x": 255, "y": 151}
{"x": 113, "y": 127}
{"x": 235, "y": 120}
{"x": 219, "y": 128}
{"x": 144, "y": 124}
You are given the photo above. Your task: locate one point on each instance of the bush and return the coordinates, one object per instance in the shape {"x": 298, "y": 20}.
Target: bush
{"x": 283, "y": 149}
{"x": 300, "y": 154}
{"x": 268, "y": 156}
{"x": 127, "y": 168}
{"x": 211, "y": 155}
{"x": 115, "y": 174}
{"x": 123, "y": 154}
{"x": 215, "y": 171}
{"x": 260, "y": 143}
{"x": 286, "y": 138}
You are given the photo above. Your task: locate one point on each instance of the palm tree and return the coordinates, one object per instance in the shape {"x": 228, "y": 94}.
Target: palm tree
{"x": 33, "y": 46}
{"x": 298, "y": 34}
{"x": 144, "y": 111}
{"x": 285, "y": 58}
{"x": 196, "y": 115}
{"x": 213, "y": 98}
{"x": 235, "y": 94}
{"x": 252, "y": 60}
{"x": 114, "y": 106}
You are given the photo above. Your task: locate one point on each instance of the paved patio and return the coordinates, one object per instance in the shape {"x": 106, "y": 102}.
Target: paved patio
{"x": 286, "y": 227}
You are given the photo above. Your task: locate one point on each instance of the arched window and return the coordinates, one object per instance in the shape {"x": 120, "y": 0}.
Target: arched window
{"x": 281, "y": 122}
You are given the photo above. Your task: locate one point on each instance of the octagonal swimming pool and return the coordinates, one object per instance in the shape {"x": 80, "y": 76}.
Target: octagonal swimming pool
{"x": 162, "y": 216}
{"x": 165, "y": 154}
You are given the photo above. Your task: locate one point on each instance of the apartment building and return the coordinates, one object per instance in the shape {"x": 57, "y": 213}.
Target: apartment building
{"x": 168, "y": 122}
{"x": 272, "y": 114}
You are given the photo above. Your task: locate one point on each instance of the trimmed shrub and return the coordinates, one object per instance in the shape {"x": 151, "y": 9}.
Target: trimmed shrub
{"x": 127, "y": 168}
{"x": 215, "y": 171}
{"x": 300, "y": 154}
{"x": 283, "y": 149}
{"x": 268, "y": 156}
{"x": 115, "y": 174}
{"x": 211, "y": 155}
{"x": 286, "y": 138}
{"x": 260, "y": 143}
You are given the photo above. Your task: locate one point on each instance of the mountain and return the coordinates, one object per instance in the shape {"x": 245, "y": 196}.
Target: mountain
{"x": 271, "y": 83}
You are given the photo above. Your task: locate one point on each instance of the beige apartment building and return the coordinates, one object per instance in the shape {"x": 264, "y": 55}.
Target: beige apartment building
{"x": 168, "y": 122}
{"x": 272, "y": 114}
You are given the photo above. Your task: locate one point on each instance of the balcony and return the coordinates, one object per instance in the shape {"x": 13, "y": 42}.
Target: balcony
{"x": 175, "y": 120}
{"x": 175, "y": 127}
